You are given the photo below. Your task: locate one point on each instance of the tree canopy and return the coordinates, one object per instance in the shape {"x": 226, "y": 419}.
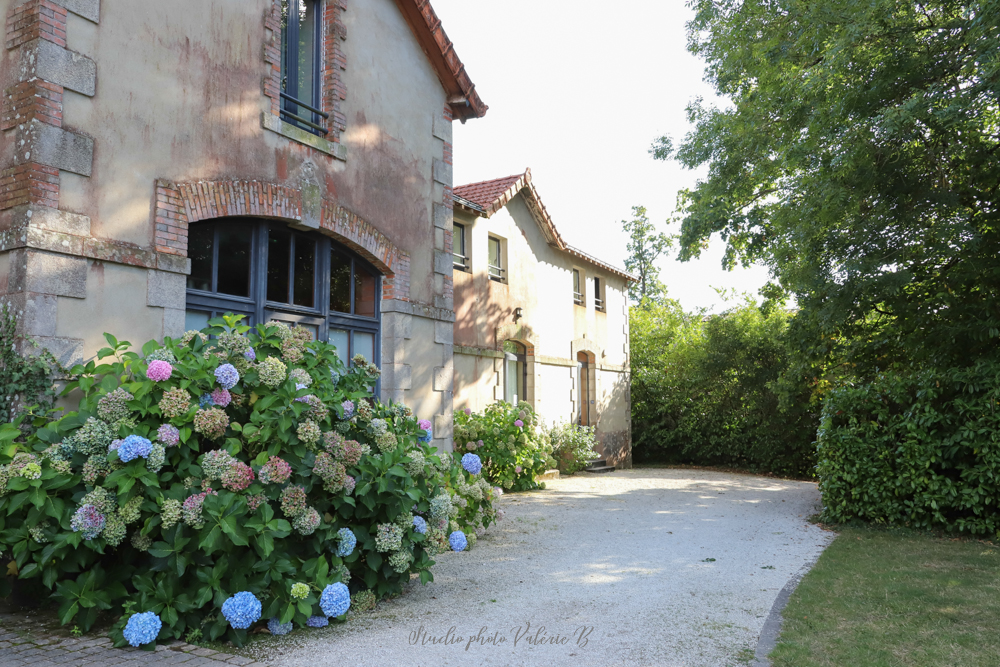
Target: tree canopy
{"x": 859, "y": 162}
{"x": 645, "y": 246}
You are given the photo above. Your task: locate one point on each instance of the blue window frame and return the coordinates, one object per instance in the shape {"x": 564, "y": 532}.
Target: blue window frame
{"x": 301, "y": 58}
{"x": 267, "y": 271}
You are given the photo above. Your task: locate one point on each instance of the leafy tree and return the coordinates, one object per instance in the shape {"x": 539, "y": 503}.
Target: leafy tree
{"x": 858, "y": 161}
{"x": 645, "y": 246}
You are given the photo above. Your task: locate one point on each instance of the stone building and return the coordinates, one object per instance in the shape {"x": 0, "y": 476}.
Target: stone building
{"x": 165, "y": 162}
{"x": 537, "y": 319}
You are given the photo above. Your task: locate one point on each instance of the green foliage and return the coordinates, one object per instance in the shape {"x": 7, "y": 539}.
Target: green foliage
{"x": 858, "y": 161}
{"x": 708, "y": 390}
{"x": 572, "y": 446}
{"x": 645, "y": 246}
{"x": 918, "y": 449}
{"x": 358, "y": 463}
{"x": 26, "y": 381}
{"x": 512, "y": 455}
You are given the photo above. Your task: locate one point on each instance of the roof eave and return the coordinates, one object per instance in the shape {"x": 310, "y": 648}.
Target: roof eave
{"x": 463, "y": 99}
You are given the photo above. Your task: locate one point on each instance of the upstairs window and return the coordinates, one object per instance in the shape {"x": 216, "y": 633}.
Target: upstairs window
{"x": 578, "y": 297}
{"x": 599, "y": 295}
{"x": 496, "y": 268}
{"x": 301, "y": 40}
{"x": 458, "y": 247}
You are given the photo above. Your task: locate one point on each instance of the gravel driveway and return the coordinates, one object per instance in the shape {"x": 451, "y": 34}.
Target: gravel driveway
{"x": 602, "y": 570}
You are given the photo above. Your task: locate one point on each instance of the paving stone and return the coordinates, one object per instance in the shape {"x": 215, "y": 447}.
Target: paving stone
{"x": 204, "y": 652}
{"x": 239, "y": 660}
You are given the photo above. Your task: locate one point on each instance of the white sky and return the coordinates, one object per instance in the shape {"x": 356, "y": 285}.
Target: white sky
{"x": 578, "y": 92}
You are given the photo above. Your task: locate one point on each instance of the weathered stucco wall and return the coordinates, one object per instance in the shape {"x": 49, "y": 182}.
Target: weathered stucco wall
{"x": 176, "y": 94}
{"x": 540, "y": 282}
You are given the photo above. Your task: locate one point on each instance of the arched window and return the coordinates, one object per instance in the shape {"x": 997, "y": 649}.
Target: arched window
{"x": 514, "y": 372}
{"x": 266, "y": 271}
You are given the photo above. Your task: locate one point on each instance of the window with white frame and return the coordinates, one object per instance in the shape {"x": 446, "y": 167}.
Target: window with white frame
{"x": 497, "y": 270}
{"x": 459, "y": 247}
{"x": 599, "y": 303}
{"x": 579, "y": 298}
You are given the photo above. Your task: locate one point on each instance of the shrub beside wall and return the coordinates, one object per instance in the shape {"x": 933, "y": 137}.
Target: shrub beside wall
{"x": 572, "y": 446}
{"x": 919, "y": 450}
{"x": 251, "y": 462}
{"x": 506, "y": 437}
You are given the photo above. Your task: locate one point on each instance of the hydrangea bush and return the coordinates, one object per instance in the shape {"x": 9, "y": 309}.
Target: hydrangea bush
{"x": 257, "y": 483}
{"x": 507, "y": 442}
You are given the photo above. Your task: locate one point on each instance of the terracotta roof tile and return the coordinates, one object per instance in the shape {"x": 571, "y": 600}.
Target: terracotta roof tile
{"x": 485, "y": 193}
{"x": 488, "y": 197}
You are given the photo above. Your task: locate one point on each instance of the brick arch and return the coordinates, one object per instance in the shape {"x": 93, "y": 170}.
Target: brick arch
{"x": 178, "y": 205}
{"x": 521, "y": 333}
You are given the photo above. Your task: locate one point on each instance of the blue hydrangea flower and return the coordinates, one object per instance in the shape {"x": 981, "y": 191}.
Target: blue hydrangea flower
{"x": 227, "y": 375}
{"x": 278, "y": 628}
{"x": 142, "y": 628}
{"x": 317, "y": 621}
{"x": 334, "y": 377}
{"x": 250, "y": 355}
{"x": 205, "y": 401}
{"x": 335, "y": 600}
{"x": 419, "y": 524}
{"x": 242, "y": 610}
{"x": 347, "y": 542}
{"x": 458, "y": 541}
{"x": 133, "y": 447}
{"x": 472, "y": 463}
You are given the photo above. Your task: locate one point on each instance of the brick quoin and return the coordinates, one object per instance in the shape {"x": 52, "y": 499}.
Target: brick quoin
{"x": 177, "y": 205}
{"x": 29, "y": 183}
{"x": 32, "y": 100}
{"x": 36, "y": 19}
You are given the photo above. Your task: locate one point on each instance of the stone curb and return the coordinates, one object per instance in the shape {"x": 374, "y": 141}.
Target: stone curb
{"x": 772, "y": 626}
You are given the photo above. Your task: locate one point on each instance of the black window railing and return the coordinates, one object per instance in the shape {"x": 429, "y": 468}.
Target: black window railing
{"x": 496, "y": 273}
{"x": 289, "y": 115}
{"x": 578, "y": 299}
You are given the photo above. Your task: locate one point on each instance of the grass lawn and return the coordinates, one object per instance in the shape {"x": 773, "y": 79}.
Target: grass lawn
{"x": 881, "y": 598}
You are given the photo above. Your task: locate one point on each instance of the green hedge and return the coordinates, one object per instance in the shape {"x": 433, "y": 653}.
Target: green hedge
{"x": 708, "y": 391}
{"x": 262, "y": 450}
{"x": 919, "y": 450}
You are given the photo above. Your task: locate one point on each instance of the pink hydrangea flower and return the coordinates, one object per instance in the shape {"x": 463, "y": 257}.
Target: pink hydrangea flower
{"x": 424, "y": 425}
{"x": 158, "y": 370}
{"x": 518, "y": 423}
{"x": 169, "y": 435}
{"x": 237, "y": 477}
{"x": 221, "y": 397}
{"x": 518, "y": 469}
{"x": 468, "y": 411}
{"x": 275, "y": 471}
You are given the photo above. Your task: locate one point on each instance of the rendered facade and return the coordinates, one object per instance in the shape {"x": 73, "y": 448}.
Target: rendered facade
{"x": 536, "y": 319}
{"x": 286, "y": 159}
